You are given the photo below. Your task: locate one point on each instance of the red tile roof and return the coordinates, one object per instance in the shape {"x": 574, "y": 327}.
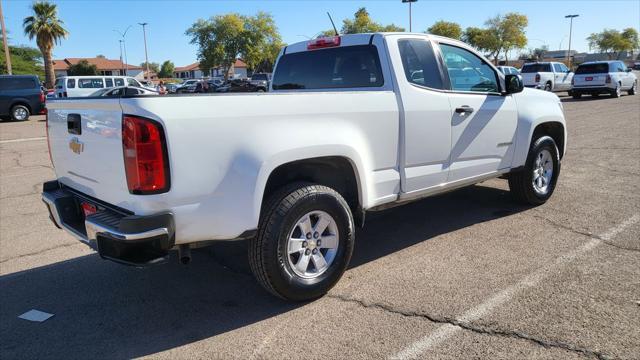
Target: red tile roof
{"x": 100, "y": 63}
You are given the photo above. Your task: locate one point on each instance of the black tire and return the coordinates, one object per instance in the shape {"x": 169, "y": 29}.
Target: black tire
{"x": 576, "y": 95}
{"x": 617, "y": 92}
{"x": 521, "y": 182}
{"x": 20, "y": 113}
{"x": 268, "y": 255}
{"x": 548, "y": 86}
{"x": 633, "y": 89}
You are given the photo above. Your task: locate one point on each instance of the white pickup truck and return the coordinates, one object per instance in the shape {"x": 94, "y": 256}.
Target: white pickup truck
{"x": 354, "y": 123}
{"x": 548, "y": 76}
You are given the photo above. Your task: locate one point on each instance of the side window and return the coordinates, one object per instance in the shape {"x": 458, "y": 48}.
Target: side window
{"x": 132, "y": 82}
{"x": 109, "y": 82}
{"x": 621, "y": 66}
{"x": 71, "y": 83}
{"x": 557, "y": 68}
{"x": 420, "y": 64}
{"x": 94, "y": 83}
{"x": 467, "y": 71}
{"x": 130, "y": 91}
{"x": 119, "y": 82}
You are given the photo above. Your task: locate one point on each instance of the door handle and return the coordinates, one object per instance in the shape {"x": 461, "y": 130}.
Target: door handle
{"x": 464, "y": 109}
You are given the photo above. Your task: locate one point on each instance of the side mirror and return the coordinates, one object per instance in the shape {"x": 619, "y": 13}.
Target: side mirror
{"x": 513, "y": 84}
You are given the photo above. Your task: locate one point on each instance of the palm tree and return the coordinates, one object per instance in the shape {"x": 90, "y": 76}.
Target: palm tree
{"x": 47, "y": 28}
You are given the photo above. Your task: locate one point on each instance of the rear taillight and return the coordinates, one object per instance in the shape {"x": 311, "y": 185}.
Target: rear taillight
{"x": 608, "y": 81}
{"x": 145, "y": 156}
{"x": 537, "y": 77}
{"x": 43, "y": 97}
{"x": 324, "y": 42}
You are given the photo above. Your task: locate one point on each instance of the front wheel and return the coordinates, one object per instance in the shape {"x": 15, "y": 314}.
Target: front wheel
{"x": 535, "y": 184}
{"x": 304, "y": 243}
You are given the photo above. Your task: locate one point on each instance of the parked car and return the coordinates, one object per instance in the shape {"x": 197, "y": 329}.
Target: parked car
{"x": 549, "y": 76}
{"x": 240, "y": 85}
{"x": 20, "y": 97}
{"x": 295, "y": 170}
{"x": 603, "y": 77}
{"x": 507, "y": 70}
{"x": 124, "y": 91}
{"x": 636, "y": 66}
{"x": 188, "y": 86}
{"x": 261, "y": 80}
{"x": 171, "y": 88}
{"x": 79, "y": 86}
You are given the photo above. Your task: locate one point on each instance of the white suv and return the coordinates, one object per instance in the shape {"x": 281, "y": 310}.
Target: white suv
{"x": 548, "y": 76}
{"x": 608, "y": 77}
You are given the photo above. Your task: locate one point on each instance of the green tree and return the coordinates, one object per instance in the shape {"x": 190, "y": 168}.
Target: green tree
{"x": 447, "y": 29}
{"x": 100, "y": 56}
{"x": 224, "y": 38}
{"x": 502, "y": 34}
{"x": 24, "y": 61}
{"x": 46, "y": 27}
{"x": 613, "y": 42}
{"x": 362, "y": 23}
{"x": 83, "y": 67}
{"x": 166, "y": 70}
{"x": 155, "y": 67}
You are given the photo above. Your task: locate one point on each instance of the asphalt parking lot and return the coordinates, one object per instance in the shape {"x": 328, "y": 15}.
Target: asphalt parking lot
{"x": 468, "y": 274}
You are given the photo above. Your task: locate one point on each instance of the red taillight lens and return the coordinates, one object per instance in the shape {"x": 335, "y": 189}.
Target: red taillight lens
{"x": 537, "y": 77}
{"x": 43, "y": 97}
{"x": 145, "y": 156}
{"x": 324, "y": 42}
{"x": 608, "y": 79}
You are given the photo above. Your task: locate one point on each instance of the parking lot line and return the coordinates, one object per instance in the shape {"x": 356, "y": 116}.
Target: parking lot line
{"x": 23, "y": 140}
{"x": 444, "y": 332}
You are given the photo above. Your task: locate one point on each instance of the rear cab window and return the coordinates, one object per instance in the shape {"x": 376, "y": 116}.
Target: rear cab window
{"x": 331, "y": 68}
{"x": 534, "y": 68}
{"x": 18, "y": 83}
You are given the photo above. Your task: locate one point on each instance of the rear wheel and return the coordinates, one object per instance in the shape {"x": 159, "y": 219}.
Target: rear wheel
{"x": 633, "y": 89}
{"x": 617, "y": 92}
{"x": 19, "y": 113}
{"x": 535, "y": 184}
{"x": 547, "y": 86}
{"x": 304, "y": 243}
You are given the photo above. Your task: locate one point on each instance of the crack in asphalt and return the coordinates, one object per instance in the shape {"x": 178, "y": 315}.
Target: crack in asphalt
{"x": 586, "y": 233}
{"x": 476, "y": 328}
{"x": 40, "y": 251}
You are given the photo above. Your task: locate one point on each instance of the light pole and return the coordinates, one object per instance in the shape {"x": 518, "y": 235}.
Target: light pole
{"x": 570, "y": 17}
{"x": 409, "y": 1}
{"x": 124, "y": 45}
{"x": 5, "y": 41}
{"x": 146, "y": 57}
{"x": 121, "y": 63}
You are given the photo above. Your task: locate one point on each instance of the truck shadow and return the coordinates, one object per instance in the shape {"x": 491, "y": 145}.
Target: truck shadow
{"x": 103, "y": 309}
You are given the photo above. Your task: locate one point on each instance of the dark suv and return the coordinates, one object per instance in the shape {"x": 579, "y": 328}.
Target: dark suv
{"x": 20, "y": 96}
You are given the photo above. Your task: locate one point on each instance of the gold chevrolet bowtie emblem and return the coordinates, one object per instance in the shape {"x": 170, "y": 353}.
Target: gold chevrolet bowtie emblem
{"x": 76, "y": 146}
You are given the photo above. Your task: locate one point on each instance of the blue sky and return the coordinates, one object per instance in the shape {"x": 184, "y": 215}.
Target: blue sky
{"x": 91, "y": 23}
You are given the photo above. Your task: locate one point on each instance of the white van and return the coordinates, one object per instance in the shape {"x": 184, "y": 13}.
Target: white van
{"x": 78, "y": 86}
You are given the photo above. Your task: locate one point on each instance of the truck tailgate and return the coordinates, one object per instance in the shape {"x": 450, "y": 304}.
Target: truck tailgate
{"x": 529, "y": 79}
{"x": 85, "y": 138}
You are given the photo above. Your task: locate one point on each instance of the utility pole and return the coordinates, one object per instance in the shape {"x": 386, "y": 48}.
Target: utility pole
{"x": 146, "y": 57}
{"x": 124, "y": 45}
{"x": 5, "y": 41}
{"x": 409, "y": 1}
{"x": 570, "y": 17}
{"x": 121, "y": 63}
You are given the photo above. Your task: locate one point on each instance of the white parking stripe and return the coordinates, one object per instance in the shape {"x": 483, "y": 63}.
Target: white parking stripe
{"x": 22, "y": 140}
{"x": 444, "y": 332}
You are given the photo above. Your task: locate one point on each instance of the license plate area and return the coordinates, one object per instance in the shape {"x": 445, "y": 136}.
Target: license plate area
{"x": 589, "y": 78}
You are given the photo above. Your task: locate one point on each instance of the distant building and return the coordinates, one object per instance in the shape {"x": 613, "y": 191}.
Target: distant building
{"x": 104, "y": 66}
{"x": 558, "y": 54}
{"x": 584, "y": 57}
{"x": 193, "y": 71}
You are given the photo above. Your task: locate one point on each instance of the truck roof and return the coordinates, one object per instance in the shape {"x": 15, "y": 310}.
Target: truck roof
{"x": 360, "y": 39}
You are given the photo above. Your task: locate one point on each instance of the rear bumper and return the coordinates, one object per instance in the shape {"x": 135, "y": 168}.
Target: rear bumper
{"x": 592, "y": 89}
{"x": 116, "y": 234}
